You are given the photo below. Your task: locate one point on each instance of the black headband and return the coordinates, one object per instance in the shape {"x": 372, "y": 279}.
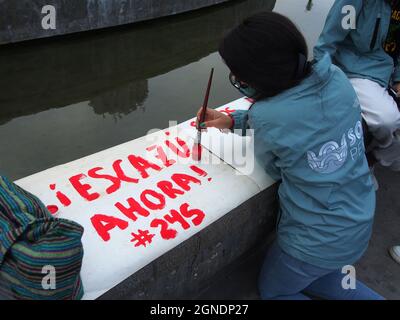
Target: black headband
{"x": 302, "y": 66}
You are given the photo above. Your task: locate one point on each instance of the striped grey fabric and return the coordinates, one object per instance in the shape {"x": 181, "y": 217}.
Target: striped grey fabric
{"x": 40, "y": 256}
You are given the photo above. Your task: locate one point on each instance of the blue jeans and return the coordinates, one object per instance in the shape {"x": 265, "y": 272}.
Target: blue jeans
{"x": 283, "y": 277}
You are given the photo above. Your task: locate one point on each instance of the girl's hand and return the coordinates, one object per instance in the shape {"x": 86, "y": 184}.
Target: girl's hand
{"x": 215, "y": 119}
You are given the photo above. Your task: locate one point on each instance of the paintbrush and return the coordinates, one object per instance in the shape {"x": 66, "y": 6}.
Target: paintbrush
{"x": 196, "y": 152}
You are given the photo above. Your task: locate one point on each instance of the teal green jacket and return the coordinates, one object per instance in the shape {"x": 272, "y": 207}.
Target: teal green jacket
{"x": 359, "y": 52}
{"x": 310, "y": 137}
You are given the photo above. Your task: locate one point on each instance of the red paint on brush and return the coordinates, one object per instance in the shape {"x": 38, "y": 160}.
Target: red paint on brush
{"x": 196, "y": 152}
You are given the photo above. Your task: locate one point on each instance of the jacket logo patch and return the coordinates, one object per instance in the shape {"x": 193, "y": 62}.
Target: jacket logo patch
{"x": 331, "y": 157}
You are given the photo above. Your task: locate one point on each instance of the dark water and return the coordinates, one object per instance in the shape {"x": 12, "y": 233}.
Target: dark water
{"x": 66, "y": 98}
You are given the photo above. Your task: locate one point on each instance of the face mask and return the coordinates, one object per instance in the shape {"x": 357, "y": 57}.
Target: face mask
{"x": 248, "y": 91}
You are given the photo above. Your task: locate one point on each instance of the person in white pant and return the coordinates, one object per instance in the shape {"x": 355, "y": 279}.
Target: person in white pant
{"x": 381, "y": 113}
{"x": 363, "y": 39}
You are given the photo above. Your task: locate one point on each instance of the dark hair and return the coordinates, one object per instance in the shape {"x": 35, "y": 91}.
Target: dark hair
{"x": 267, "y": 52}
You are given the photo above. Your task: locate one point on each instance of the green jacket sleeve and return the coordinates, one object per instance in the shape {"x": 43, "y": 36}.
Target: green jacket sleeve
{"x": 266, "y": 146}
{"x": 270, "y": 167}
{"x": 240, "y": 118}
{"x": 267, "y": 152}
{"x": 334, "y": 32}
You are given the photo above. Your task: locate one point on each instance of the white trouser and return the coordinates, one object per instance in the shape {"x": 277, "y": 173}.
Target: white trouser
{"x": 382, "y": 115}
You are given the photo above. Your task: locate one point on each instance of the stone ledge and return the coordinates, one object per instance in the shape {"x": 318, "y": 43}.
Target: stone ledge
{"x": 22, "y": 20}
{"x": 189, "y": 268}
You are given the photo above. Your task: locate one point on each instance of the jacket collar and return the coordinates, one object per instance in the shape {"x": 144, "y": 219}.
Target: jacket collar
{"x": 320, "y": 73}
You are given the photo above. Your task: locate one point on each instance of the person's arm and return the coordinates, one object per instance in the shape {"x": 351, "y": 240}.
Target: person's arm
{"x": 240, "y": 122}
{"x": 219, "y": 120}
{"x": 267, "y": 150}
{"x": 273, "y": 171}
{"x": 334, "y": 32}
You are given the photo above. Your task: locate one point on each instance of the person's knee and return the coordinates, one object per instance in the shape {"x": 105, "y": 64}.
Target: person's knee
{"x": 390, "y": 121}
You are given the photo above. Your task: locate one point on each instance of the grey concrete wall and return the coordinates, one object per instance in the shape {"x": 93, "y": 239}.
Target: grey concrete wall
{"x": 191, "y": 267}
{"x": 22, "y": 19}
